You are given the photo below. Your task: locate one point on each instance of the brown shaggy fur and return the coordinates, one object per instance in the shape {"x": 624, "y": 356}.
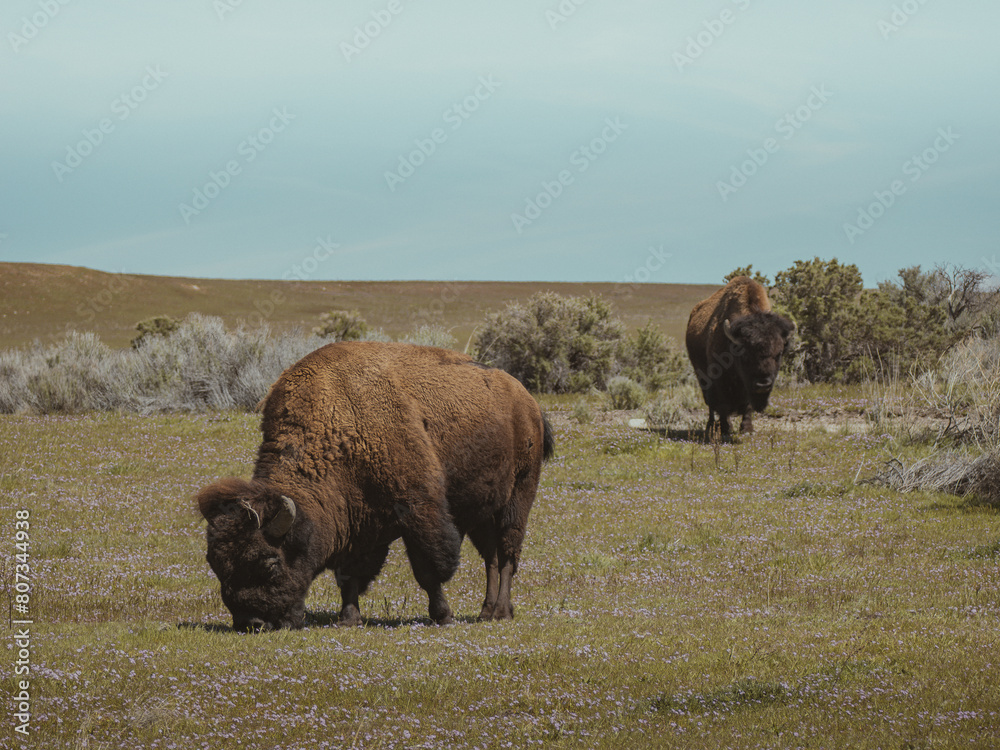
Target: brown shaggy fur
{"x": 736, "y": 376}
{"x": 372, "y": 442}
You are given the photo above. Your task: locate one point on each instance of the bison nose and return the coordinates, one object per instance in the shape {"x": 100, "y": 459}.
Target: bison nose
{"x": 251, "y": 625}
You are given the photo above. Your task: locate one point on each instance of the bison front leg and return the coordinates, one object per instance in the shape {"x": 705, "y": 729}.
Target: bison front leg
{"x": 430, "y": 580}
{"x": 746, "y": 425}
{"x": 353, "y": 578}
{"x": 350, "y": 612}
{"x": 711, "y": 426}
{"x": 718, "y": 428}
{"x": 433, "y": 545}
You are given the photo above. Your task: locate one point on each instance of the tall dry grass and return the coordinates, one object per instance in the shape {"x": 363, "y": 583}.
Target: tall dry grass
{"x": 964, "y": 388}
{"x": 962, "y": 393}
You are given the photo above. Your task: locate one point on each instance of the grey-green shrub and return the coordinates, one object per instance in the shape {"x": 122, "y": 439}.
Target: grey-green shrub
{"x": 582, "y": 413}
{"x": 200, "y": 365}
{"x": 78, "y": 373}
{"x": 625, "y": 393}
{"x": 431, "y": 335}
{"x": 158, "y": 325}
{"x": 553, "y": 343}
{"x": 671, "y": 407}
{"x": 653, "y": 359}
{"x": 341, "y": 325}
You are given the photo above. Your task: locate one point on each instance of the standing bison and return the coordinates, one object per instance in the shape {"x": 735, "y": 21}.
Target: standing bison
{"x": 735, "y": 344}
{"x": 364, "y": 443}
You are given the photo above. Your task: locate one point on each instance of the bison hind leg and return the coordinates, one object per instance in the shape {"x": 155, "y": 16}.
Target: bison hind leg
{"x": 499, "y": 541}
{"x": 485, "y": 540}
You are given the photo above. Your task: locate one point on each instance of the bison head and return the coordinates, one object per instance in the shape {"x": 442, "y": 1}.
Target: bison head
{"x": 258, "y": 547}
{"x": 760, "y": 339}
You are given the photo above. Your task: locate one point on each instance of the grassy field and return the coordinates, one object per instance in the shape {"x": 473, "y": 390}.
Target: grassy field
{"x": 42, "y": 301}
{"x": 672, "y": 594}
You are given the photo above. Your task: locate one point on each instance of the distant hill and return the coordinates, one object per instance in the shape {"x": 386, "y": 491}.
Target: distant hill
{"x": 40, "y": 301}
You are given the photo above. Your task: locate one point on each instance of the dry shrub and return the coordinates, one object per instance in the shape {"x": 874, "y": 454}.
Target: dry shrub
{"x": 953, "y": 473}
{"x": 964, "y": 389}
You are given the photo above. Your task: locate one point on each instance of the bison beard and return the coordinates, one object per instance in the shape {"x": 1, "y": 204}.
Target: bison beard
{"x": 364, "y": 443}
{"x": 736, "y": 345}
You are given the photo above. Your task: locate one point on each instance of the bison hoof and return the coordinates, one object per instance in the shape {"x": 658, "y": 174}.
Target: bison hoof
{"x": 349, "y": 617}
{"x": 497, "y": 613}
{"x": 487, "y": 613}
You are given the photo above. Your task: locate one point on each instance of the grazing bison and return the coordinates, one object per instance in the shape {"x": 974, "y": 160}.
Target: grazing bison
{"x": 735, "y": 344}
{"x": 363, "y": 443}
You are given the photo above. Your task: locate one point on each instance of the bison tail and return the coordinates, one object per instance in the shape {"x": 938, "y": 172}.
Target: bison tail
{"x": 548, "y": 440}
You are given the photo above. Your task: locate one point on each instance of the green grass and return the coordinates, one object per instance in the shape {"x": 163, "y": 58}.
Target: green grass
{"x": 670, "y": 595}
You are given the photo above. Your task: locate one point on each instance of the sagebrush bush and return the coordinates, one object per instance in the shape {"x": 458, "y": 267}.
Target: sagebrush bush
{"x": 652, "y": 359}
{"x": 341, "y": 325}
{"x": 197, "y": 366}
{"x": 671, "y": 407}
{"x": 625, "y": 393}
{"x": 582, "y": 412}
{"x": 77, "y": 374}
{"x": 158, "y": 325}
{"x": 431, "y": 335}
{"x": 201, "y": 365}
{"x": 557, "y": 344}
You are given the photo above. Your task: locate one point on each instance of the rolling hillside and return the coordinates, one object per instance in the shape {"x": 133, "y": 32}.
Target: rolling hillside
{"x": 39, "y": 301}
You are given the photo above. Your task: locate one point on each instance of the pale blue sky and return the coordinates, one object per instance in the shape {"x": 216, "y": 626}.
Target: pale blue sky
{"x": 508, "y": 141}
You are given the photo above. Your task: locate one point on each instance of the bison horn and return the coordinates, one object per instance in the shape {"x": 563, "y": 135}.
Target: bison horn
{"x": 282, "y": 521}
{"x": 729, "y": 331}
{"x": 245, "y": 504}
